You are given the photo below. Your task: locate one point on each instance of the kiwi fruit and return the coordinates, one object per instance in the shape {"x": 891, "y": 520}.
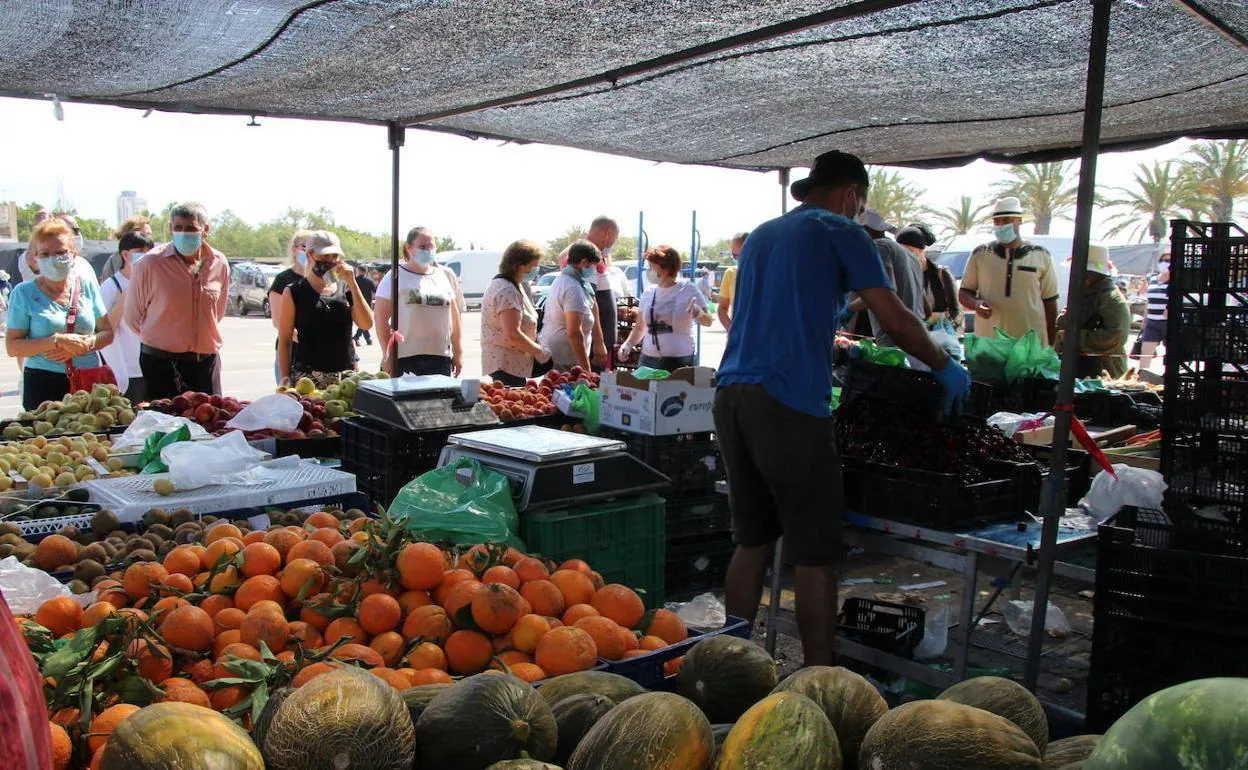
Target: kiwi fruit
{"x": 206, "y": 520}
{"x": 88, "y": 570}
{"x": 104, "y": 522}
{"x": 87, "y": 538}
{"x": 94, "y": 552}
{"x": 70, "y": 532}
{"x": 78, "y": 587}
{"x": 23, "y": 551}
{"x": 142, "y": 554}
{"x": 180, "y": 516}
{"x": 165, "y": 548}
{"x": 10, "y": 529}
{"x": 138, "y": 544}
{"x": 95, "y": 582}
{"x": 160, "y": 530}
{"x": 110, "y": 549}
{"x": 156, "y": 540}
{"x": 155, "y": 516}
{"x": 6, "y": 549}
{"x": 353, "y": 514}
{"x": 290, "y": 519}
{"x": 9, "y": 538}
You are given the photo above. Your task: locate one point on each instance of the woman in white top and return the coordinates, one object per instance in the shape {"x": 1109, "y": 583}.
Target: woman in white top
{"x": 568, "y": 315}
{"x": 665, "y": 326}
{"x": 429, "y": 337}
{"x": 122, "y": 356}
{"x": 508, "y": 319}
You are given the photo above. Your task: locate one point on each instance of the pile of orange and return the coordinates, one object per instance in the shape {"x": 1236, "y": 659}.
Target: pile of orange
{"x": 429, "y": 616}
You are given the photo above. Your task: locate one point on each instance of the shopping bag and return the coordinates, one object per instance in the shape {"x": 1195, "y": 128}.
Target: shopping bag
{"x": 463, "y": 503}
{"x": 587, "y": 401}
{"x": 882, "y": 355}
{"x": 1029, "y": 357}
{"x": 986, "y": 356}
{"x": 149, "y": 458}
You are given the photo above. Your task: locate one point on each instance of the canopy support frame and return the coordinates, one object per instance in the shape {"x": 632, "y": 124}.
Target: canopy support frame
{"x": 1056, "y": 502}
{"x": 395, "y": 135}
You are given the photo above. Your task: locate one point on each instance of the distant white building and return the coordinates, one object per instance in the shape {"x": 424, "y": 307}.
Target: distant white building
{"x": 129, "y": 204}
{"x": 8, "y": 221}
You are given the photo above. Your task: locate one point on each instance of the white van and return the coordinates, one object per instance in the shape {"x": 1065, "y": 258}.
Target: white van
{"x": 475, "y": 270}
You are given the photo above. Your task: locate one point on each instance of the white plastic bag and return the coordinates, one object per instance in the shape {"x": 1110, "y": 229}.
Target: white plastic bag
{"x": 1011, "y": 423}
{"x": 148, "y": 422}
{"x": 25, "y": 588}
{"x": 1018, "y": 618}
{"x": 935, "y": 635}
{"x": 275, "y": 411}
{"x": 223, "y": 460}
{"x": 1134, "y": 486}
{"x": 703, "y": 612}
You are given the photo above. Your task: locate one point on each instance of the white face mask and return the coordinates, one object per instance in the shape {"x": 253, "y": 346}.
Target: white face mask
{"x": 652, "y": 275}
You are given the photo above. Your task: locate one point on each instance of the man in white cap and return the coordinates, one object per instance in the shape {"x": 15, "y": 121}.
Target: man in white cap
{"x": 903, "y": 270}
{"x": 1104, "y": 320}
{"x": 1011, "y": 284}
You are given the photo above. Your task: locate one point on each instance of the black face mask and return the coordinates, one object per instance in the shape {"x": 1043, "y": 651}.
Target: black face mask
{"x": 320, "y": 268}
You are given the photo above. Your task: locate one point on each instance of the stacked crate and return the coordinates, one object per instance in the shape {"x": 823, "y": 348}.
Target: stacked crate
{"x": 699, "y": 527}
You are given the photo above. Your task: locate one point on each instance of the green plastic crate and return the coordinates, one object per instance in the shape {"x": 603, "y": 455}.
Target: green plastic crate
{"x": 623, "y": 540}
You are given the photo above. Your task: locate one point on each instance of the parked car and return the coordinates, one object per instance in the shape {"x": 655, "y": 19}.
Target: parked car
{"x": 249, "y": 287}
{"x": 542, "y": 285}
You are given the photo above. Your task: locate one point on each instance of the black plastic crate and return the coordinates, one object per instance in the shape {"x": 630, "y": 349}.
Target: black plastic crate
{"x": 1161, "y": 616}
{"x": 1078, "y": 470}
{"x": 892, "y": 628}
{"x": 697, "y": 564}
{"x": 1211, "y": 400}
{"x": 918, "y": 390}
{"x": 1023, "y": 396}
{"x": 1207, "y": 257}
{"x": 1210, "y": 334}
{"x": 698, "y": 516}
{"x": 1183, "y": 528}
{"x": 690, "y": 460}
{"x": 937, "y": 500}
{"x": 1207, "y": 467}
{"x": 385, "y": 458}
{"x": 1105, "y": 408}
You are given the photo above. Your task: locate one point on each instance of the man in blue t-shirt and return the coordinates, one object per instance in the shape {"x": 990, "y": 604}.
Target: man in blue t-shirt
{"x": 775, "y": 382}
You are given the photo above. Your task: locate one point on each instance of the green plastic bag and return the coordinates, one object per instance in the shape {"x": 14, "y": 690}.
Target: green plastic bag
{"x": 986, "y": 356}
{"x": 464, "y": 503}
{"x": 588, "y": 402}
{"x": 1029, "y": 357}
{"x": 649, "y": 373}
{"x": 149, "y": 458}
{"x": 881, "y": 355}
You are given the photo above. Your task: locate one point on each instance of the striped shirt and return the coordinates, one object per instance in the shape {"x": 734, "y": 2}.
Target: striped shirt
{"x": 1157, "y": 300}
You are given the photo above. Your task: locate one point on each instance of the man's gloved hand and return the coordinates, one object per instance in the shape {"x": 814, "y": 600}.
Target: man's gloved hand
{"x": 956, "y": 381}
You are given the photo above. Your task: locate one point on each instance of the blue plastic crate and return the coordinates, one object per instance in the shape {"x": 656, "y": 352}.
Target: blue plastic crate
{"x": 647, "y": 670}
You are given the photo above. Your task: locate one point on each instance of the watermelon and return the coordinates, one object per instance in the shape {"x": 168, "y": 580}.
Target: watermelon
{"x": 783, "y": 730}
{"x": 1197, "y": 725}
{"x": 944, "y": 735}
{"x": 850, "y": 702}
{"x": 725, "y": 675}
{"x": 1005, "y": 698}
{"x": 1067, "y": 751}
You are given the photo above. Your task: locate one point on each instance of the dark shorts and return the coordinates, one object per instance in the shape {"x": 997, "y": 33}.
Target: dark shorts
{"x": 39, "y": 385}
{"x": 425, "y": 365}
{"x": 1154, "y": 331}
{"x": 666, "y": 363}
{"x": 784, "y": 475}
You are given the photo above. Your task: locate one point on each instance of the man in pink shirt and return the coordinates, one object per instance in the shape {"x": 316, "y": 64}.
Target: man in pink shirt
{"x": 175, "y": 301}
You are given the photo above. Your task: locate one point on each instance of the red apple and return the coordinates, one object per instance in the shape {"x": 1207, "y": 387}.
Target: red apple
{"x": 180, "y": 404}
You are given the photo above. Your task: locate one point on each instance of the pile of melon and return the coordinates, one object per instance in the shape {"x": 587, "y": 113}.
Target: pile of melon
{"x": 726, "y": 711}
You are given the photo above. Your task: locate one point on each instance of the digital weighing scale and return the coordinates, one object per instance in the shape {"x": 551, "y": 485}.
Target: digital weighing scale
{"x": 418, "y": 403}
{"x": 552, "y": 468}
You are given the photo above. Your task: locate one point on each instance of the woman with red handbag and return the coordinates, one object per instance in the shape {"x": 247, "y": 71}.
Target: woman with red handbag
{"x": 57, "y": 322}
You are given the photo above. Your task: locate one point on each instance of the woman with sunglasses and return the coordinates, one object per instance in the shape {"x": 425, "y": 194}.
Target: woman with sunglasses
{"x": 39, "y": 327}
{"x": 665, "y": 326}
{"x": 321, "y": 309}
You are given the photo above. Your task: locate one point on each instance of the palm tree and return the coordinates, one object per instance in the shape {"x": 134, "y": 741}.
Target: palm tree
{"x": 1220, "y": 173}
{"x": 1157, "y": 193}
{"x": 961, "y": 218}
{"x": 1043, "y": 190}
{"x": 897, "y": 200}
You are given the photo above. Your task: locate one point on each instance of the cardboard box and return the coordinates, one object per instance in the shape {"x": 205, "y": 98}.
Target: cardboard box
{"x": 680, "y": 404}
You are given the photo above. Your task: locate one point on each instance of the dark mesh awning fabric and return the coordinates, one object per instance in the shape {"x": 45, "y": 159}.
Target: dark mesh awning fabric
{"x": 922, "y": 82}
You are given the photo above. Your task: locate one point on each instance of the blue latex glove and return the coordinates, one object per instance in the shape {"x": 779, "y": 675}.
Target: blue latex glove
{"x": 842, "y": 319}
{"x": 956, "y": 381}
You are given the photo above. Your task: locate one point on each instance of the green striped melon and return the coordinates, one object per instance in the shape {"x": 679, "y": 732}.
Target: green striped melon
{"x": 654, "y": 731}
{"x": 574, "y": 717}
{"x": 725, "y": 675}
{"x": 1197, "y": 725}
{"x": 485, "y": 719}
{"x": 783, "y": 730}
{"x": 1005, "y": 698}
{"x": 944, "y": 735}
{"x": 850, "y": 702}
{"x": 612, "y": 686}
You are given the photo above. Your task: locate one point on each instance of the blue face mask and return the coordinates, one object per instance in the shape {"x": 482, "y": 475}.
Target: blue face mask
{"x": 424, "y": 257}
{"x": 55, "y": 268}
{"x": 589, "y": 273}
{"x": 187, "y": 244}
{"x": 301, "y": 257}
{"x": 136, "y": 256}
{"x": 1005, "y": 233}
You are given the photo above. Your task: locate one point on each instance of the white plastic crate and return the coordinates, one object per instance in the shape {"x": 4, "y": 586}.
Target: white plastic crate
{"x": 40, "y": 527}
{"x": 292, "y": 482}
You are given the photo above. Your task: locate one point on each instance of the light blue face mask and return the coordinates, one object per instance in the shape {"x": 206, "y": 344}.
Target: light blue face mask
{"x": 187, "y": 244}
{"x": 136, "y": 256}
{"x": 424, "y": 257}
{"x": 301, "y": 257}
{"x": 589, "y": 273}
{"x": 55, "y": 268}
{"x": 1005, "y": 233}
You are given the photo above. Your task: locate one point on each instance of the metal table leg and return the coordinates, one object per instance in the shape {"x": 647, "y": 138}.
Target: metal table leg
{"x": 773, "y": 605}
{"x": 966, "y": 615}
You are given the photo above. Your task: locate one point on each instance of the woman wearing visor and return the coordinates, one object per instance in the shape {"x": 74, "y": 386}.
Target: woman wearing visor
{"x": 665, "y": 326}
{"x": 320, "y": 310}
{"x": 39, "y": 327}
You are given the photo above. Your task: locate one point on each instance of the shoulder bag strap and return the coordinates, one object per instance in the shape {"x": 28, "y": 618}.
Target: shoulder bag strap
{"x": 71, "y": 318}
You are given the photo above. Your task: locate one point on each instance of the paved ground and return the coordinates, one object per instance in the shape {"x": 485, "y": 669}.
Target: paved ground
{"x": 248, "y": 357}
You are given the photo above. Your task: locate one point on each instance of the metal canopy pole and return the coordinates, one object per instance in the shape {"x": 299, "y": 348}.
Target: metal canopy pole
{"x": 777, "y": 556}
{"x": 642, "y": 245}
{"x": 784, "y": 191}
{"x": 695, "y": 244}
{"x": 1056, "y": 503}
{"x": 396, "y": 136}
